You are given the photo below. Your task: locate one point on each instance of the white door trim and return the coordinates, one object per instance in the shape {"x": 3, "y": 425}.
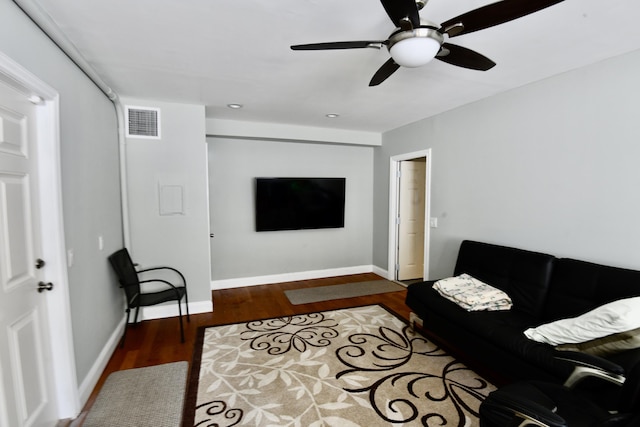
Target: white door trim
{"x": 53, "y": 243}
{"x": 394, "y": 161}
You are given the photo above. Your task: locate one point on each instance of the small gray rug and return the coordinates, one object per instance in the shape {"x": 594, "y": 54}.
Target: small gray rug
{"x": 141, "y": 397}
{"x": 348, "y": 290}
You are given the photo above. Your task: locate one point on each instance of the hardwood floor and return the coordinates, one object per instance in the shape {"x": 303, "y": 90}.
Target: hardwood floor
{"x": 158, "y": 341}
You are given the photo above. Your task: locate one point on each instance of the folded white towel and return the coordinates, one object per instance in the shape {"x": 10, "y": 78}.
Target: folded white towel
{"x": 473, "y": 294}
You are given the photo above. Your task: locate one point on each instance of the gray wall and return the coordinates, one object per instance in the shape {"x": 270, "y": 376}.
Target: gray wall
{"x": 239, "y": 251}
{"x": 90, "y": 181}
{"x": 178, "y": 158}
{"x": 552, "y": 166}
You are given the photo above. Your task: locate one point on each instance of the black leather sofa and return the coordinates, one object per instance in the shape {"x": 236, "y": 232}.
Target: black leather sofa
{"x": 543, "y": 288}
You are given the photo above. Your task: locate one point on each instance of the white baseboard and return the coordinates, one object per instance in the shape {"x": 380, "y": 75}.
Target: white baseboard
{"x": 382, "y": 273}
{"x": 171, "y": 310}
{"x": 290, "y": 277}
{"x": 89, "y": 382}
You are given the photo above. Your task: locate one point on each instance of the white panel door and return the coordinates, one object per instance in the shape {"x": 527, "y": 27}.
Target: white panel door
{"x": 26, "y": 377}
{"x": 411, "y": 214}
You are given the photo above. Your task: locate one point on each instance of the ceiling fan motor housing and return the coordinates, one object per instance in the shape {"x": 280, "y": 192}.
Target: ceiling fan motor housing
{"x": 415, "y": 47}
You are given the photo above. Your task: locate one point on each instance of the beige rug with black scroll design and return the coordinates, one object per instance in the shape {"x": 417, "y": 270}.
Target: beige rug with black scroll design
{"x": 352, "y": 367}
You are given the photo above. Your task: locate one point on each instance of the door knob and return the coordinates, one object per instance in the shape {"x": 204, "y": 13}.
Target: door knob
{"x": 40, "y": 263}
{"x": 45, "y": 286}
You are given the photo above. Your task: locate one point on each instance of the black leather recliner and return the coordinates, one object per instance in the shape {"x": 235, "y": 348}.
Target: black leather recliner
{"x": 546, "y": 404}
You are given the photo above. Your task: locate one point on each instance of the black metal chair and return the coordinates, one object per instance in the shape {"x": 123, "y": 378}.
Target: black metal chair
{"x": 130, "y": 281}
{"x": 543, "y": 404}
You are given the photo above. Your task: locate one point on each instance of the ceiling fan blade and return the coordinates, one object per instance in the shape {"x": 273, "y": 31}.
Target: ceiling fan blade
{"x": 463, "y": 57}
{"x": 340, "y": 45}
{"x": 494, "y": 14}
{"x": 384, "y": 72}
{"x": 401, "y": 10}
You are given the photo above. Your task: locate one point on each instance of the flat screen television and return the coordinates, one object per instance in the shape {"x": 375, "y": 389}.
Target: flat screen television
{"x": 299, "y": 203}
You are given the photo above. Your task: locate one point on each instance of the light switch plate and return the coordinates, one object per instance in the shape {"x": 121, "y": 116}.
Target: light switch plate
{"x": 70, "y": 255}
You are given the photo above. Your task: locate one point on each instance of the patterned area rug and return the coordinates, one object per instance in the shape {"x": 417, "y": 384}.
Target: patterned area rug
{"x": 353, "y": 367}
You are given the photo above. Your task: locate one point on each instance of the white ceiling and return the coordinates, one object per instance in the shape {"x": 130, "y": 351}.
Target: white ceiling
{"x": 216, "y": 52}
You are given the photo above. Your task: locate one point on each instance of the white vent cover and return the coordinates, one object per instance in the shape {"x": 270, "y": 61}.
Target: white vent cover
{"x": 143, "y": 122}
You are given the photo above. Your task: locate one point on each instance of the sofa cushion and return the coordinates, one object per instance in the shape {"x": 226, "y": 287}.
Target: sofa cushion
{"x": 511, "y": 339}
{"x": 523, "y": 275}
{"x": 612, "y": 318}
{"x": 579, "y": 286}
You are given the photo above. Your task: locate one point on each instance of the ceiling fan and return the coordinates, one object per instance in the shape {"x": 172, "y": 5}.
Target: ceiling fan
{"x": 416, "y": 41}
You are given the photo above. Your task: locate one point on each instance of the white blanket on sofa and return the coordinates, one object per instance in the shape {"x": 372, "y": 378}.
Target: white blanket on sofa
{"x": 472, "y": 294}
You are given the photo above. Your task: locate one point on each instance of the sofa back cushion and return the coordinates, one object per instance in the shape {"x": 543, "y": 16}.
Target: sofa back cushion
{"x": 523, "y": 275}
{"x": 580, "y": 286}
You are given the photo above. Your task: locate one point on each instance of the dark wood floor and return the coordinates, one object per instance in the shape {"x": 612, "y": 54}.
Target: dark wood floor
{"x": 158, "y": 341}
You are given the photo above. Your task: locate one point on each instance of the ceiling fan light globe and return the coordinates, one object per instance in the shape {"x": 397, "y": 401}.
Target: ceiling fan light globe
{"x": 415, "y": 51}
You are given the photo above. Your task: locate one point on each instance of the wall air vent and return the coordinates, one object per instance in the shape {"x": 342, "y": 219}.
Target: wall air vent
{"x": 143, "y": 122}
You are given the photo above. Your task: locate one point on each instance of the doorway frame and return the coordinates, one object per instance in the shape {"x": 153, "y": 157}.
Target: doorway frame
{"x": 58, "y": 311}
{"x": 394, "y": 163}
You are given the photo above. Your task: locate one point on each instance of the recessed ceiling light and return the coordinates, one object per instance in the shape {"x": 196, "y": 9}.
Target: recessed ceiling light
{"x": 333, "y": 115}
{"x": 234, "y": 106}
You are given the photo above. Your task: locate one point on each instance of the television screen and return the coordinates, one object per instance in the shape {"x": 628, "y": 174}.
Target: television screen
{"x": 299, "y": 203}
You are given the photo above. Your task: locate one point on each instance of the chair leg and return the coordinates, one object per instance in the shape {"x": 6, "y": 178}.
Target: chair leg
{"x": 186, "y": 302}
{"x": 126, "y": 325}
{"x": 135, "y": 319}
{"x": 181, "y": 326}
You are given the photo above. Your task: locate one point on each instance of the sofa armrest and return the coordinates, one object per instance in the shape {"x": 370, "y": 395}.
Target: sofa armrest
{"x": 587, "y": 365}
